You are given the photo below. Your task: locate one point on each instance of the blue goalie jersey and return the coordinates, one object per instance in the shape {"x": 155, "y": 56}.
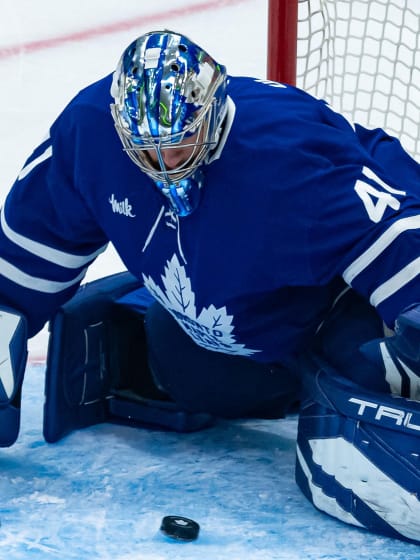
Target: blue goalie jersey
{"x": 297, "y": 204}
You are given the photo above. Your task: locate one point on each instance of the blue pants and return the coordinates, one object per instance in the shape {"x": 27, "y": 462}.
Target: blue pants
{"x": 201, "y": 380}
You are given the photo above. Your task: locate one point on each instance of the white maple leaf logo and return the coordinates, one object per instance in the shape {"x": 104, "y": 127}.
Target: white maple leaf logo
{"x": 212, "y": 328}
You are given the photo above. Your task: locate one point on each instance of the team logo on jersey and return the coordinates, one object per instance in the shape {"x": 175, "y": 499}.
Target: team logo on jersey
{"x": 121, "y": 207}
{"x": 211, "y": 328}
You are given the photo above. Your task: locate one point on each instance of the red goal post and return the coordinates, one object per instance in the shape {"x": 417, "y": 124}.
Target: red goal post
{"x": 361, "y": 56}
{"x": 282, "y": 40}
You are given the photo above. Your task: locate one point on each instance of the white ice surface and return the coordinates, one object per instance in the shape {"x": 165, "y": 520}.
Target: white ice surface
{"x": 101, "y": 493}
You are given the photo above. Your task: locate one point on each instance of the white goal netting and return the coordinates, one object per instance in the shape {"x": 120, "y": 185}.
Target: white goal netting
{"x": 363, "y": 57}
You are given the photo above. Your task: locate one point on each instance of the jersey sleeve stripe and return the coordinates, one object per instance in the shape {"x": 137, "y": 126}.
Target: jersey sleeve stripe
{"x": 396, "y": 282}
{"x": 17, "y": 276}
{"x": 28, "y": 168}
{"x": 382, "y": 243}
{"x": 60, "y": 258}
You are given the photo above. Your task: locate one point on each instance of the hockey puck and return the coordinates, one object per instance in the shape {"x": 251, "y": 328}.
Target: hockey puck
{"x": 179, "y": 528}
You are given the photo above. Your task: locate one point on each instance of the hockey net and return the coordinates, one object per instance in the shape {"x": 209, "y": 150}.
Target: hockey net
{"x": 363, "y": 58}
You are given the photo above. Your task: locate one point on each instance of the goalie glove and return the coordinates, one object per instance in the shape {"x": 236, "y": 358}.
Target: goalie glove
{"x": 13, "y": 355}
{"x": 398, "y": 357}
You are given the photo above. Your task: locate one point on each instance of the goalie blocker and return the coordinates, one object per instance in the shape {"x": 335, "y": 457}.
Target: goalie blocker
{"x": 13, "y": 355}
{"x": 358, "y": 454}
{"x": 97, "y": 367}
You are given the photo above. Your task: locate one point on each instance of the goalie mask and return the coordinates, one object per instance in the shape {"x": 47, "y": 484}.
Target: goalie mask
{"x": 169, "y": 95}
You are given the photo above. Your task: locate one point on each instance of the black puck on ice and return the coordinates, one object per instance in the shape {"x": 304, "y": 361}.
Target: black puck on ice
{"x": 180, "y": 528}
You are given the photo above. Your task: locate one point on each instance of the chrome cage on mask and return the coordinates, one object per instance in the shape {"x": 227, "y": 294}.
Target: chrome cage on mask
{"x": 201, "y": 129}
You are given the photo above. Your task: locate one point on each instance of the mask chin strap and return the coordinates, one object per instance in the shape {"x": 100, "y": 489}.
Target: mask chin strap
{"x": 184, "y": 195}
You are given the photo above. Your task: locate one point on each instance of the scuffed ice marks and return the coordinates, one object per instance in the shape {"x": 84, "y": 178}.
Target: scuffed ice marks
{"x": 100, "y": 494}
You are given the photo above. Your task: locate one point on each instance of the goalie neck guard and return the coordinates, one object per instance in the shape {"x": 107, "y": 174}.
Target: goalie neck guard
{"x": 358, "y": 454}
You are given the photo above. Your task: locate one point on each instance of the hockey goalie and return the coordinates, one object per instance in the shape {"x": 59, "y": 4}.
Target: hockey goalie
{"x": 272, "y": 251}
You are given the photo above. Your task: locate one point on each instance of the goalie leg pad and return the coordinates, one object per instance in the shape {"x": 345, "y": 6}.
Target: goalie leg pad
{"x": 77, "y": 381}
{"x": 397, "y": 358}
{"x": 97, "y": 367}
{"x": 358, "y": 455}
{"x": 13, "y": 356}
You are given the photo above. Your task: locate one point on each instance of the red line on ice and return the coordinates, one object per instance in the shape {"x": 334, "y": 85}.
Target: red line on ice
{"x": 108, "y": 29}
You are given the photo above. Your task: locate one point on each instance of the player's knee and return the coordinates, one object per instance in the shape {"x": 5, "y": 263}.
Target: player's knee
{"x": 396, "y": 359}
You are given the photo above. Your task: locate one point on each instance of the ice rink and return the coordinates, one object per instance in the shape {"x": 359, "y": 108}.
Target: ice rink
{"x": 100, "y": 494}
